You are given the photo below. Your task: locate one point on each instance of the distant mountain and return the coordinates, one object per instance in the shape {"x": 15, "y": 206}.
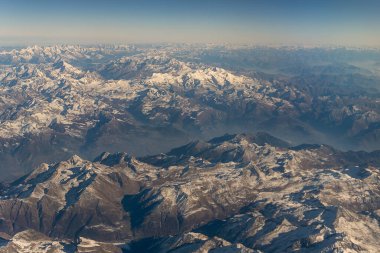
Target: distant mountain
{"x": 234, "y": 193}
{"x": 64, "y": 100}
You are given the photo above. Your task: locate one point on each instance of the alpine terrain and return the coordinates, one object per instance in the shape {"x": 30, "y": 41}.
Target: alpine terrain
{"x": 234, "y": 193}
{"x": 189, "y": 148}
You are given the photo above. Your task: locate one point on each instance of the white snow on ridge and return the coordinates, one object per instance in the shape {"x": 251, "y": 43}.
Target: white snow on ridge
{"x": 36, "y": 95}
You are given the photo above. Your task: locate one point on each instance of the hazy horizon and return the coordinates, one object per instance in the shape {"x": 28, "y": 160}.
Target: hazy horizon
{"x": 347, "y": 23}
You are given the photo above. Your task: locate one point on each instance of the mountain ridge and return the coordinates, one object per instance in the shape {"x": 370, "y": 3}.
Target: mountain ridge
{"x": 149, "y": 99}
{"x": 259, "y": 194}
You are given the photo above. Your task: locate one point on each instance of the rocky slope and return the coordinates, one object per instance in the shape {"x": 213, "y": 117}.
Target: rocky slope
{"x": 235, "y": 193}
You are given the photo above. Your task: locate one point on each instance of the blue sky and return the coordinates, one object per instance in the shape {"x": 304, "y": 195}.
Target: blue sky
{"x": 343, "y": 22}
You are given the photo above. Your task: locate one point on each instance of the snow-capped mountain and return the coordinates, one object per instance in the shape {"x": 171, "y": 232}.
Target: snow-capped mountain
{"x": 56, "y": 102}
{"x": 59, "y": 101}
{"x": 235, "y": 192}
{"x": 40, "y": 54}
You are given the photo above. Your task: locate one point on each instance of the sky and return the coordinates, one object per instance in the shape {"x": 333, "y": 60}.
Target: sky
{"x": 301, "y": 22}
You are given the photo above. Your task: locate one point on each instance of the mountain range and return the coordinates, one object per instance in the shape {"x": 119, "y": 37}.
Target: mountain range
{"x": 64, "y": 100}
{"x": 234, "y": 193}
{"x": 189, "y": 148}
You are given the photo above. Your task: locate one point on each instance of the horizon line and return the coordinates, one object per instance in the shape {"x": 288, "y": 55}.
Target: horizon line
{"x": 264, "y": 45}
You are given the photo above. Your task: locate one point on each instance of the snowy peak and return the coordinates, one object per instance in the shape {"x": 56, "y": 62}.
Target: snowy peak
{"x": 141, "y": 66}
{"x": 64, "y": 67}
{"x": 161, "y": 69}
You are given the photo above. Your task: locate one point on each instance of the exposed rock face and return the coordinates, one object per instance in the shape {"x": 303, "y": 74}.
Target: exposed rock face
{"x": 33, "y": 241}
{"x": 188, "y": 242}
{"x": 235, "y": 193}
